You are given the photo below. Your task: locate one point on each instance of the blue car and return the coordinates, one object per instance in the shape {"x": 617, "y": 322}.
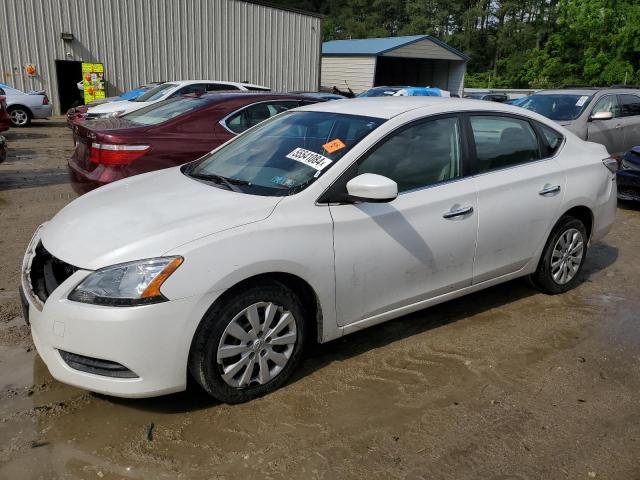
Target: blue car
{"x": 629, "y": 176}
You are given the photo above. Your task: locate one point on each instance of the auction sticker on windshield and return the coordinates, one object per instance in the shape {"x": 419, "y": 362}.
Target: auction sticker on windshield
{"x": 334, "y": 145}
{"x": 310, "y": 159}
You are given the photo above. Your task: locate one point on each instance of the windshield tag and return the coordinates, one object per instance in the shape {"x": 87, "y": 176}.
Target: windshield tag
{"x": 334, "y": 145}
{"x": 581, "y": 100}
{"x": 310, "y": 159}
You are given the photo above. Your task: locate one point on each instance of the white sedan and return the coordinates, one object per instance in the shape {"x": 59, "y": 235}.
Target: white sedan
{"x": 23, "y": 107}
{"x": 319, "y": 222}
{"x": 168, "y": 90}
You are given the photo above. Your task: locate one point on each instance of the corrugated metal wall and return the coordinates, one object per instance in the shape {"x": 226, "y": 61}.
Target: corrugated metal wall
{"x": 149, "y": 40}
{"x": 354, "y": 72}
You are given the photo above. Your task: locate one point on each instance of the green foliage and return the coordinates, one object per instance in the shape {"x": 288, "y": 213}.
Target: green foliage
{"x": 512, "y": 43}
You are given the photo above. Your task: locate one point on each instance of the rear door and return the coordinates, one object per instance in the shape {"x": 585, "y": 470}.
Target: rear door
{"x": 607, "y": 132}
{"x": 519, "y": 192}
{"x": 630, "y": 108}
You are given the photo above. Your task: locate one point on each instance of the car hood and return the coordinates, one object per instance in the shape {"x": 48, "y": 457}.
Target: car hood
{"x": 122, "y": 105}
{"x": 145, "y": 216}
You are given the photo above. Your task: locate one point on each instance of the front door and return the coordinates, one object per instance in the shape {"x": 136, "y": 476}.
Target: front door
{"x": 630, "y": 109}
{"x": 418, "y": 246}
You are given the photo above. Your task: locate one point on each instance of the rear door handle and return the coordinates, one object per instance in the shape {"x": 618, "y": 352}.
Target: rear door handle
{"x": 458, "y": 212}
{"x": 549, "y": 189}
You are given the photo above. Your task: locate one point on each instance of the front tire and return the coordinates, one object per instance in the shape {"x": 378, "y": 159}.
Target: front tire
{"x": 249, "y": 344}
{"x": 20, "y": 116}
{"x": 563, "y": 257}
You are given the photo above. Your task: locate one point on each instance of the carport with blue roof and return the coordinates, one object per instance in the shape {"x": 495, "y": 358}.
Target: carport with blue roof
{"x": 417, "y": 60}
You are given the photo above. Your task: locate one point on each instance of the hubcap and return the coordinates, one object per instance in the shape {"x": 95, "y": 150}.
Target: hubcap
{"x": 567, "y": 256}
{"x": 256, "y": 345}
{"x": 19, "y": 117}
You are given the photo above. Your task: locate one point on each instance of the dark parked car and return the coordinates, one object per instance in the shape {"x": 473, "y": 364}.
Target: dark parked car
{"x": 3, "y": 149}
{"x": 490, "y": 97}
{"x": 166, "y": 134}
{"x": 629, "y": 176}
{"x": 5, "y": 120}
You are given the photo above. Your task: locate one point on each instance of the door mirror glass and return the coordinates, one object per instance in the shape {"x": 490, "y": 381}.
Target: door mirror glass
{"x": 602, "y": 116}
{"x": 370, "y": 187}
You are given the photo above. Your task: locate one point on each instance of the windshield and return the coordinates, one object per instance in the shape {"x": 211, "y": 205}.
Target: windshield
{"x": 557, "y": 106}
{"x": 155, "y": 93}
{"x": 165, "y": 110}
{"x": 285, "y": 154}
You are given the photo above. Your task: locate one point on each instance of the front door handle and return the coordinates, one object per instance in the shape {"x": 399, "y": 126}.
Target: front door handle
{"x": 549, "y": 189}
{"x": 458, "y": 212}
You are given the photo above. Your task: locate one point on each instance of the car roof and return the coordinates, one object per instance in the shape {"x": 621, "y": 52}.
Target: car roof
{"x": 224, "y": 82}
{"x": 389, "y": 107}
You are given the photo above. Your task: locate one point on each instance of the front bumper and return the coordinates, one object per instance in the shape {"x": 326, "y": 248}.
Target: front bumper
{"x": 152, "y": 341}
{"x": 628, "y": 184}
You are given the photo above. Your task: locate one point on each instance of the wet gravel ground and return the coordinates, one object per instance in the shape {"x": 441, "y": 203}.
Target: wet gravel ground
{"x": 504, "y": 384}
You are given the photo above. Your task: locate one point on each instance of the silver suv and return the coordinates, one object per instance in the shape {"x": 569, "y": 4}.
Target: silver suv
{"x": 609, "y": 116}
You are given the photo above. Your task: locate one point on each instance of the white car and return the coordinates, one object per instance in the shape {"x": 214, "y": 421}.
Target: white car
{"x": 167, "y": 90}
{"x": 316, "y": 223}
{"x": 23, "y": 107}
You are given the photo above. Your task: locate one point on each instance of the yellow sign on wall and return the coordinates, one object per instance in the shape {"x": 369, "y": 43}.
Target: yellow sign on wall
{"x": 93, "y": 81}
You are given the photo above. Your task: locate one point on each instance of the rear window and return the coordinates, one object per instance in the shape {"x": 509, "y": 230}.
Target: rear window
{"x": 155, "y": 93}
{"x": 164, "y": 111}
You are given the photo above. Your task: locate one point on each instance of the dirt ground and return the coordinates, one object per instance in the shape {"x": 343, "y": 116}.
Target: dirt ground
{"x": 504, "y": 384}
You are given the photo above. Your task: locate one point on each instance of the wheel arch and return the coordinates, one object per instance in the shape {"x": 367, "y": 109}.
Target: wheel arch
{"x": 582, "y": 213}
{"x": 297, "y": 284}
{"x": 19, "y": 105}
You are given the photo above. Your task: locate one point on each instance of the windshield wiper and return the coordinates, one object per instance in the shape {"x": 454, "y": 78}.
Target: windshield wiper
{"x": 230, "y": 183}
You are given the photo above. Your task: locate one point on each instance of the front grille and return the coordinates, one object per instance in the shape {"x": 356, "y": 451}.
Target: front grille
{"x": 96, "y": 366}
{"x": 47, "y": 272}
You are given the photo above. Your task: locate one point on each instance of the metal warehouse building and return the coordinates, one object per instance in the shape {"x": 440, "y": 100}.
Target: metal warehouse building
{"x": 43, "y": 44}
{"x": 418, "y": 60}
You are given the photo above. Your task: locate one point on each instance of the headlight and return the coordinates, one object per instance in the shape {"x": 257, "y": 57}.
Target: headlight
{"x": 127, "y": 284}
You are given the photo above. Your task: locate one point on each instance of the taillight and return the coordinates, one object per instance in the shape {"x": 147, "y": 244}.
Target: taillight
{"x": 45, "y": 100}
{"x": 109, "y": 154}
{"x": 611, "y": 163}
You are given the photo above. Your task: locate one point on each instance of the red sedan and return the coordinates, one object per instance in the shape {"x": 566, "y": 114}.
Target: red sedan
{"x": 5, "y": 121}
{"x": 166, "y": 134}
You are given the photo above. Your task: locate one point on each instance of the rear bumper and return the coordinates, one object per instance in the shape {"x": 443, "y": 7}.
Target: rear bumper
{"x": 628, "y": 185}
{"x": 42, "y": 111}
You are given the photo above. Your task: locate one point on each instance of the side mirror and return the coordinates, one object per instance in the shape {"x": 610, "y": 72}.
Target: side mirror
{"x": 601, "y": 116}
{"x": 370, "y": 187}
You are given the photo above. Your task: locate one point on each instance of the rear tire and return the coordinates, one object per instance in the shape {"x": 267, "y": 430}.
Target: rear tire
{"x": 562, "y": 258}
{"x": 20, "y": 116}
{"x": 232, "y": 361}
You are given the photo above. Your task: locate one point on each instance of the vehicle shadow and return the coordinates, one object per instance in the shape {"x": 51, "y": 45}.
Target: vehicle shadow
{"x": 19, "y": 179}
{"x": 16, "y": 134}
{"x": 194, "y": 398}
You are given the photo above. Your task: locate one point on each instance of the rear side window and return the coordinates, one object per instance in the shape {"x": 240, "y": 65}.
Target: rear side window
{"x": 219, "y": 87}
{"x": 630, "y": 105}
{"x": 197, "y": 88}
{"x": 503, "y": 142}
{"x": 259, "y": 112}
{"x": 553, "y": 139}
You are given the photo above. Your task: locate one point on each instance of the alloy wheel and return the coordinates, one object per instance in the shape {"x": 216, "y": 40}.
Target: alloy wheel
{"x": 19, "y": 117}
{"x": 567, "y": 256}
{"x": 256, "y": 345}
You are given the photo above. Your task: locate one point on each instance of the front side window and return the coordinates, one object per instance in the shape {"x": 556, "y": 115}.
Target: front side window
{"x": 285, "y": 154}
{"x": 196, "y": 88}
{"x": 164, "y": 111}
{"x": 503, "y": 142}
{"x": 420, "y": 155}
{"x": 608, "y": 103}
{"x": 220, "y": 87}
{"x": 254, "y": 114}
{"x": 630, "y": 105}
{"x": 155, "y": 93}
